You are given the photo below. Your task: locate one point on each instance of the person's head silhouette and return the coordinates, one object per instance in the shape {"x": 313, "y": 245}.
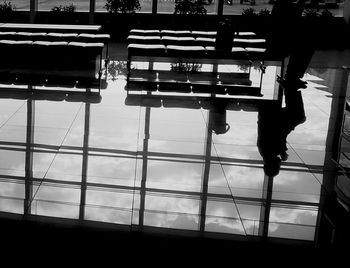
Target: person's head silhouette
{"x": 272, "y": 166}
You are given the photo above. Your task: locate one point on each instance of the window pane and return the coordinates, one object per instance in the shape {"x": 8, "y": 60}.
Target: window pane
{"x": 80, "y": 5}
{"x": 19, "y": 4}
{"x": 145, "y": 5}
{"x": 238, "y": 6}
{"x": 168, "y": 6}
{"x": 235, "y": 7}
{"x": 213, "y": 7}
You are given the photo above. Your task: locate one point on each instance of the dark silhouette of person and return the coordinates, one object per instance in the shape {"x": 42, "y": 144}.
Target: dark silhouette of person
{"x": 275, "y": 123}
{"x": 289, "y": 37}
{"x": 224, "y": 37}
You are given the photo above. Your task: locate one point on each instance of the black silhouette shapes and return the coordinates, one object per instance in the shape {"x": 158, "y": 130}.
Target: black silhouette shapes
{"x": 224, "y": 37}
{"x": 274, "y": 125}
{"x": 217, "y": 120}
{"x": 289, "y": 37}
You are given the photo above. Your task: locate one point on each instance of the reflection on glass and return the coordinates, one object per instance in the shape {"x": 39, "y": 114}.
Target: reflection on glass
{"x": 11, "y": 196}
{"x": 145, "y": 6}
{"x": 19, "y": 4}
{"x": 168, "y": 6}
{"x": 49, "y": 4}
{"x": 292, "y": 223}
{"x": 152, "y": 167}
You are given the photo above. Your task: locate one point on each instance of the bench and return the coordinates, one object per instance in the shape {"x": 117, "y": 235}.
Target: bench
{"x": 185, "y": 46}
{"x": 190, "y": 102}
{"x": 192, "y": 45}
{"x": 33, "y": 27}
{"x": 42, "y": 57}
{"x": 57, "y": 36}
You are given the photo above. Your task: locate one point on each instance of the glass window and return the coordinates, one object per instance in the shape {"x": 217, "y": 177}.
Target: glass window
{"x": 12, "y": 194}
{"x": 212, "y": 8}
{"x": 292, "y": 223}
{"x": 168, "y": 6}
{"x": 46, "y": 5}
{"x": 56, "y": 200}
{"x": 237, "y": 7}
{"x": 145, "y": 6}
{"x": 19, "y": 5}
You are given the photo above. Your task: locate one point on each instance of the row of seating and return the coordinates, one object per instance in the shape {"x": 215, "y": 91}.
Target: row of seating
{"x": 59, "y": 96}
{"x": 57, "y": 37}
{"x": 192, "y": 44}
{"x": 237, "y": 41}
{"x": 210, "y": 78}
{"x": 61, "y": 79}
{"x": 45, "y": 57}
{"x": 16, "y": 54}
{"x": 190, "y": 103}
{"x": 195, "y": 87}
{"x": 54, "y": 36}
{"x": 185, "y": 33}
{"x": 44, "y": 62}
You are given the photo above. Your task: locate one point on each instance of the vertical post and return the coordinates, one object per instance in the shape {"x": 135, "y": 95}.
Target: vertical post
{"x": 92, "y": 11}
{"x": 154, "y": 6}
{"x": 33, "y": 8}
{"x": 346, "y": 11}
{"x": 84, "y": 163}
{"x": 220, "y": 7}
{"x": 144, "y": 167}
{"x": 29, "y": 157}
{"x": 205, "y": 178}
{"x": 265, "y": 207}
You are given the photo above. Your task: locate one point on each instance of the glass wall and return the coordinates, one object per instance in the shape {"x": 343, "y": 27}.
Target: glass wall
{"x": 168, "y": 6}
{"x": 19, "y": 4}
{"x": 230, "y": 7}
{"x": 212, "y": 8}
{"x": 237, "y": 7}
{"x": 145, "y": 6}
{"x": 80, "y": 5}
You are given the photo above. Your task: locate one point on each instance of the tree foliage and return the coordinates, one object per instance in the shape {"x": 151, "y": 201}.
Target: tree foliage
{"x": 122, "y": 6}
{"x": 7, "y": 7}
{"x": 64, "y": 8}
{"x": 190, "y": 7}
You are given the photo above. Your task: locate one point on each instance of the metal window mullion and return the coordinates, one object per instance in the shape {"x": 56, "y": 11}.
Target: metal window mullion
{"x": 33, "y": 8}
{"x": 220, "y": 9}
{"x": 154, "y": 6}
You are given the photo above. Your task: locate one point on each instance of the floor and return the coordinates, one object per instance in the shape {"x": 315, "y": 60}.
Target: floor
{"x": 124, "y": 166}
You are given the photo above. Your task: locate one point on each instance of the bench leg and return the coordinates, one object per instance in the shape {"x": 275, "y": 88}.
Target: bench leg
{"x": 107, "y": 56}
{"x": 128, "y": 67}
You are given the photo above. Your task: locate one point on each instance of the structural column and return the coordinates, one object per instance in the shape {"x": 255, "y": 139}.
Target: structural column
{"x": 154, "y": 6}
{"x": 220, "y": 7}
{"x": 33, "y": 10}
{"x": 29, "y": 158}
{"x": 346, "y": 11}
{"x": 92, "y": 11}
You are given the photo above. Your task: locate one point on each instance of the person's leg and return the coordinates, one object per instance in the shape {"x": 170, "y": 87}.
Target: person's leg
{"x": 298, "y": 62}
